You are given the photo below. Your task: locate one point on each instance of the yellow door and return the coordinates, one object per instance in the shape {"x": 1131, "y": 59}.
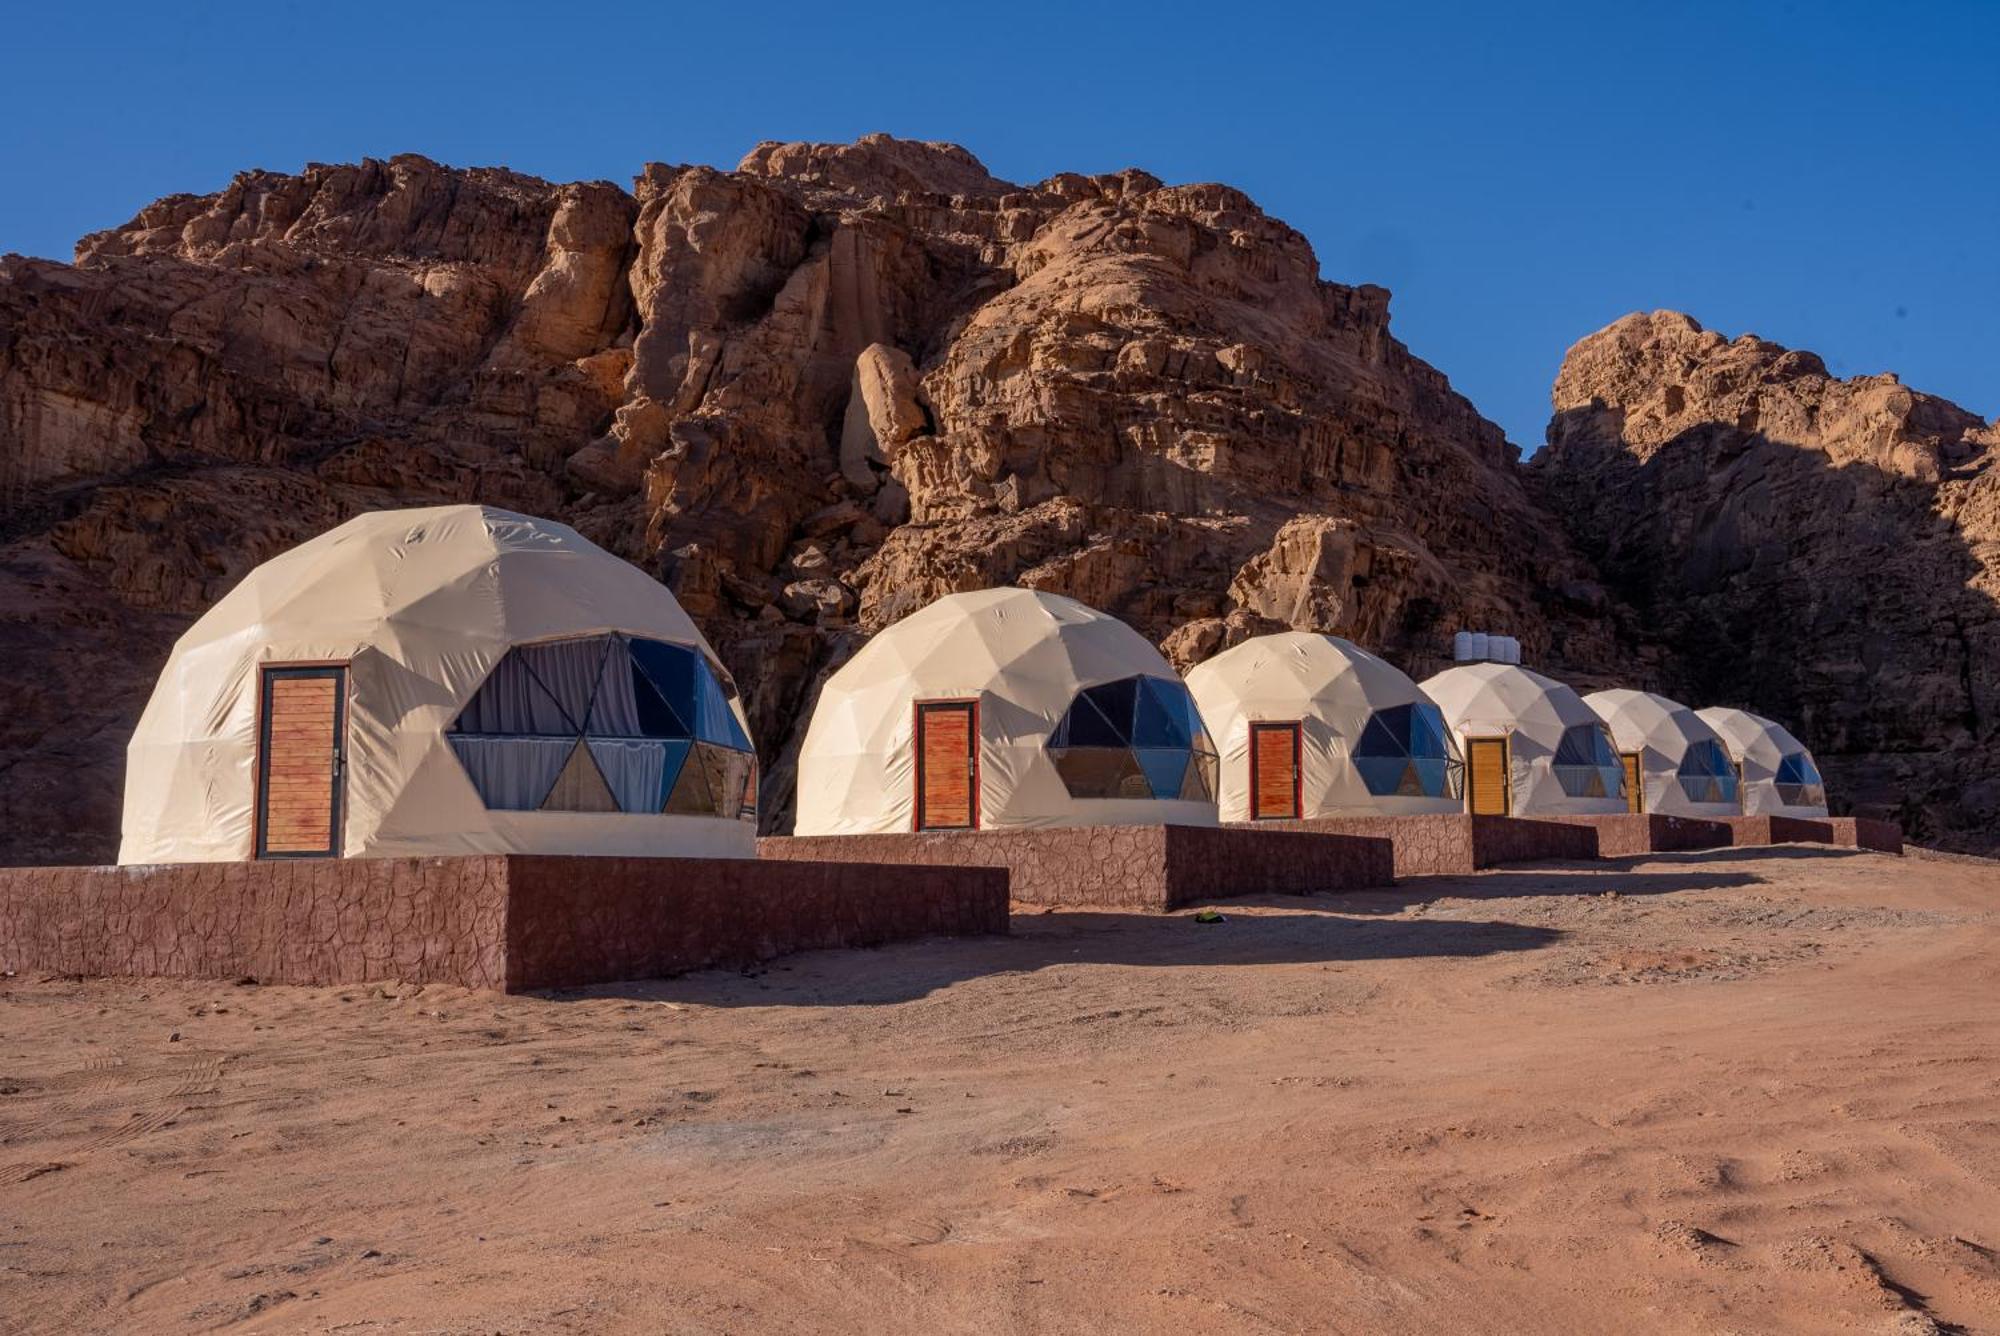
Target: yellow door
{"x": 1486, "y": 776}
{"x": 1635, "y": 794}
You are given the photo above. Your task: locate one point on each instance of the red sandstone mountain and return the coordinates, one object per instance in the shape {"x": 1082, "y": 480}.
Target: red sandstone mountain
{"x": 1827, "y": 551}
{"x": 812, "y": 394}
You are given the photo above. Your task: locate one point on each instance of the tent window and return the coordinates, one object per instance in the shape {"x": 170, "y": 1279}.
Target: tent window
{"x": 1706, "y": 773}
{"x": 1137, "y": 737}
{"x": 608, "y": 723}
{"x": 1799, "y": 783}
{"x": 1406, "y": 751}
{"x": 1587, "y": 764}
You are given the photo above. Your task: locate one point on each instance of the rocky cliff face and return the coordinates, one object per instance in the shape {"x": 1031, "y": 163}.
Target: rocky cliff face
{"x": 811, "y": 394}
{"x": 1826, "y": 551}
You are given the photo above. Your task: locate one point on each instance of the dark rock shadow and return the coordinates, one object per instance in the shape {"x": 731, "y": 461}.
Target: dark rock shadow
{"x": 1834, "y": 599}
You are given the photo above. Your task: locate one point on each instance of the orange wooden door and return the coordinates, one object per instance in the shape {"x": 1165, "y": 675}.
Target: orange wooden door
{"x": 1274, "y": 771}
{"x": 1486, "y": 776}
{"x": 300, "y": 762}
{"x": 947, "y": 765}
{"x": 1635, "y": 793}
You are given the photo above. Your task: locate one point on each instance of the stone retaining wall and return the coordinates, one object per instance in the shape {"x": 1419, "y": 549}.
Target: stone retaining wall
{"x": 1452, "y": 844}
{"x": 1123, "y": 867}
{"x": 1860, "y": 832}
{"x": 504, "y": 922}
{"x": 1628, "y": 834}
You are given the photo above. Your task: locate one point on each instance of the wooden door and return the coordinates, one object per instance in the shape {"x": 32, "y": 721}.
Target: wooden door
{"x": 300, "y": 762}
{"x": 1274, "y": 771}
{"x": 947, "y": 765}
{"x": 1635, "y": 792}
{"x": 1486, "y": 777}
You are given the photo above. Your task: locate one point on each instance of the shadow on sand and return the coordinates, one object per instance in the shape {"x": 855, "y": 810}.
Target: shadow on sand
{"x": 1291, "y": 930}
{"x": 1257, "y": 930}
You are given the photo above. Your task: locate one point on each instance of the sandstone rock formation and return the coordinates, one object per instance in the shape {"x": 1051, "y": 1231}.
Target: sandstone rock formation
{"x": 1823, "y": 550}
{"x": 812, "y": 394}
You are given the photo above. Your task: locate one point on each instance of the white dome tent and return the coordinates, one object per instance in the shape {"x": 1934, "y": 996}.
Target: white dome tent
{"x": 1779, "y": 776}
{"x": 1531, "y": 746}
{"x": 454, "y": 680}
{"x": 1675, "y": 765}
{"x": 1313, "y": 726}
{"x": 1004, "y": 708}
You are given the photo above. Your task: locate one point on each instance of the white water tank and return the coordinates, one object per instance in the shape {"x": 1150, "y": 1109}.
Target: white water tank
{"x": 1461, "y": 647}
{"x": 1482, "y": 645}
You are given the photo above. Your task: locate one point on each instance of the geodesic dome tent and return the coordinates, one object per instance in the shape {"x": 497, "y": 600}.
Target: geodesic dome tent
{"x": 452, "y": 680}
{"x": 1005, "y": 707}
{"x": 1681, "y": 766}
{"x": 1779, "y": 776}
{"x": 1310, "y": 725}
{"x": 1531, "y": 746}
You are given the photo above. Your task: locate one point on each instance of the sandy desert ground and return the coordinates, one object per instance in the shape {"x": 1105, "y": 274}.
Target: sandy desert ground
{"x": 1740, "y": 1091}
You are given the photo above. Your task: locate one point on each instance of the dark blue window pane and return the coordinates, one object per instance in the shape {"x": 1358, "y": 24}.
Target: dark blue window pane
{"x": 1428, "y": 736}
{"x": 1382, "y": 774}
{"x": 1165, "y": 768}
{"x": 671, "y": 670}
{"x": 678, "y": 750}
{"x": 689, "y": 687}
{"x": 1116, "y": 701}
{"x": 657, "y": 719}
{"x": 1084, "y": 725}
{"x": 715, "y": 721}
{"x": 1387, "y": 733}
{"x": 1585, "y": 744}
{"x": 1161, "y": 715}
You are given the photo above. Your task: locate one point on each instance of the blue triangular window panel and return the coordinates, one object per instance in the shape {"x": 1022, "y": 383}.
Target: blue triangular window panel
{"x": 1165, "y": 768}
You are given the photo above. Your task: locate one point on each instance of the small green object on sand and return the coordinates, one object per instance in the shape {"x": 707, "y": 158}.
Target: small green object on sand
{"x": 1209, "y": 916}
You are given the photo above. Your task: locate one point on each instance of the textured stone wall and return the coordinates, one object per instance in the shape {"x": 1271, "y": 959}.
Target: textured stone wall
{"x": 1127, "y": 867}
{"x": 1206, "y": 862}
{"x": 1860, "y": 832}
{"x": 425, "y": 920}
{"x": 1519, "y": 839}
{"x": 1754, "y": 830}
{"x": 595, "y": 920}
{"x": 1452, "y": 844}
{"x": 1850, "y": 832}
{"x": 1628, "y": 834}
{"x": 502, "y": 922}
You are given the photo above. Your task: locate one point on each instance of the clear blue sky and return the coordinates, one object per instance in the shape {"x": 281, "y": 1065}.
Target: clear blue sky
{"x": 1827, "y": 175}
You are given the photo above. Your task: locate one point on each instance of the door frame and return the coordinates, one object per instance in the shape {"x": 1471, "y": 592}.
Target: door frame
{"x": 1297, "y": 728}
{"x": 337, "y": 817}
{"x": 1506, "y": 741}
{"x": 1635, "y": 801}
{"x": 974, "y": 777}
